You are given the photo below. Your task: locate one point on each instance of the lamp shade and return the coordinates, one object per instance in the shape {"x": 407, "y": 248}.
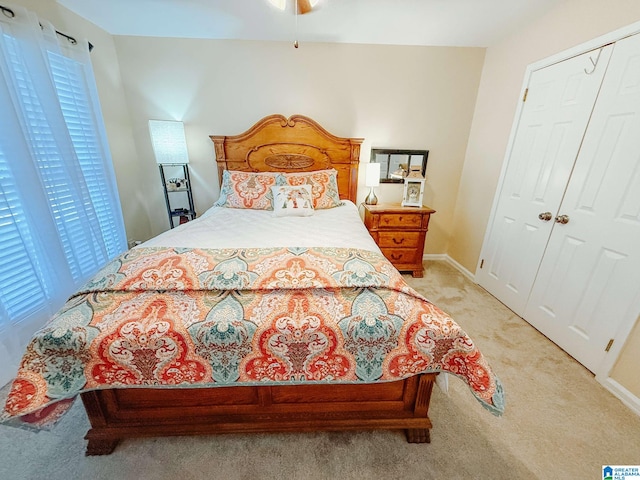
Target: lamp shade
{"x": 372, "y": 177}
{"x": 169, "y": 142}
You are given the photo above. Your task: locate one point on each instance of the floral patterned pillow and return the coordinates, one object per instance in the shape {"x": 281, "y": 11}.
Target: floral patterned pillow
{"x": 246, "y": 190}
{"x": 292, "y": 201}
{"x": 324, "y": 186}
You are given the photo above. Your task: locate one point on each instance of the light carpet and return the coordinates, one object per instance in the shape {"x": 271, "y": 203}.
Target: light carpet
{"x": 559, "y": 423}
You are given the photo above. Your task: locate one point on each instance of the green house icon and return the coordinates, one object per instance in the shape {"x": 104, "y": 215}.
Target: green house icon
{"x": 607, "y": 473}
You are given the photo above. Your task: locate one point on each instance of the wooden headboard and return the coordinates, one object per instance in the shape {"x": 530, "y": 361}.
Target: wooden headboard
{"x": 294, "y": 144}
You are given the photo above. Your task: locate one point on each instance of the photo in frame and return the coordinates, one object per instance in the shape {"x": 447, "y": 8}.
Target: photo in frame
{"x": 396, "y": 164}
{"x": 413, "y": 192}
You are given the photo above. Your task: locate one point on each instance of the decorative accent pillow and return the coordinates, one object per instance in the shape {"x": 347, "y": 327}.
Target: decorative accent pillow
{"x": 292, "y": 201}
{"x": 324, "y": 186}
{"x": 247, "y": 190}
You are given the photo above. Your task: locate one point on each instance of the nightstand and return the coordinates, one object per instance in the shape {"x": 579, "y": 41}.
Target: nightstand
{"x": 400, "y": 233}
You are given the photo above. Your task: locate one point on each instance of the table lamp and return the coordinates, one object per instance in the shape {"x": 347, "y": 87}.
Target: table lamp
{"x": 372, "y": 179}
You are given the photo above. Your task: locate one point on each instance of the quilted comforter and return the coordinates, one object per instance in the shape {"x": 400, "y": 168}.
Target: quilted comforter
{"x": 171, "y": 317}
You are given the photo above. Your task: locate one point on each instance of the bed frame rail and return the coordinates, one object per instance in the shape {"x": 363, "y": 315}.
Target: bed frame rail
{"x": 117, "y": 414}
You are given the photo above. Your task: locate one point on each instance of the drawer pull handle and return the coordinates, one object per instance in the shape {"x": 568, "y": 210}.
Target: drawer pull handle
{"x": 395, "y": 256}
{"x": 398, "y": 242}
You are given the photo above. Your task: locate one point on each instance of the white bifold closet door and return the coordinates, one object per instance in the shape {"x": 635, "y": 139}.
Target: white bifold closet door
{"x": 589, "y": 278}
{"x": 566, "y": 257}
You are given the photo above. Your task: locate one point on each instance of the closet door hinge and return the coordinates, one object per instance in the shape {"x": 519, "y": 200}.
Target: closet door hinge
{"x": 524, "y": 97}
{"x": 609, "y": 345}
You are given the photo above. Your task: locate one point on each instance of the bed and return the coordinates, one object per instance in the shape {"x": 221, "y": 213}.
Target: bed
{"x": 227, "y": 324}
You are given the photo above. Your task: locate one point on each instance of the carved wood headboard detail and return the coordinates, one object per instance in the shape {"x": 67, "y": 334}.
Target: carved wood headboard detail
{"x": 295, "y": 144}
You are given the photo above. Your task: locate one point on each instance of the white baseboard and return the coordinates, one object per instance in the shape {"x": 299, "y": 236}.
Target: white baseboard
{"x": 625, "y": 396}
{"x": 443, "y": 257}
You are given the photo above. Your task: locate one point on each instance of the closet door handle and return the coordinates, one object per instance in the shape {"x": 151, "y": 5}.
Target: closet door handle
{"x": 563, "y": 219}
{"x": 546, "y": 216}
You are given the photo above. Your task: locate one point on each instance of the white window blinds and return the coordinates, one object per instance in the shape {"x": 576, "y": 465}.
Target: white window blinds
{"x": 21, "y": 293}
{"x": 60, "y": 218}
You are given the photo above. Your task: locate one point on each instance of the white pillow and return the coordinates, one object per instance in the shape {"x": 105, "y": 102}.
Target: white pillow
{"x": 292, "y": 201}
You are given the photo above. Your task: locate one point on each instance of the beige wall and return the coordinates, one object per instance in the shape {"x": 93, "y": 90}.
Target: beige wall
{"x": 402, "y": 97}
{"x": 114, "y": 109}
{"x": 571, "y": 23}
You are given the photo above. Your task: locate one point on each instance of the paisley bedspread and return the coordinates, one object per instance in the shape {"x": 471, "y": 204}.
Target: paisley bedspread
{"x": 171, "y": 317}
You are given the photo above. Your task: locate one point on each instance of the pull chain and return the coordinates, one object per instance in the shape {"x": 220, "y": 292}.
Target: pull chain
{"x": 295, "y": 7}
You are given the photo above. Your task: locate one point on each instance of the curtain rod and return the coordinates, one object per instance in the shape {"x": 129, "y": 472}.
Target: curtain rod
{"x": 10, "y": 14}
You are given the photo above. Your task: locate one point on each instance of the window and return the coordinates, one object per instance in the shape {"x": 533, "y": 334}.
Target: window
{"x": 60, "y": 217}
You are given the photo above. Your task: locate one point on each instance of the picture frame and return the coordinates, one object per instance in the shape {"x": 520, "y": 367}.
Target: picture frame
{"x": 395, "y": 164}
{"x": 413, "y": 192}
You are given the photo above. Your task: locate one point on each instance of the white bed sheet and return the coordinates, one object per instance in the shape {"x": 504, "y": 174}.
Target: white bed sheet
{"x": 244, "y": 228}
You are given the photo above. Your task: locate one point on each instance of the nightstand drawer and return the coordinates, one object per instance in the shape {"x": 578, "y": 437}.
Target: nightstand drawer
{"x": 399, "y": 256}
{"x": 404, "y": 220}
{"x": 398, "y": 239}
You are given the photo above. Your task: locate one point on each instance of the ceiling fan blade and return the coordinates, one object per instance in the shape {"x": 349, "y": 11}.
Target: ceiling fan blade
{"x": 304, "y": 6}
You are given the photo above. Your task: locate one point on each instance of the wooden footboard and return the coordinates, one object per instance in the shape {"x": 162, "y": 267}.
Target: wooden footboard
{"x": 117, "y": 414}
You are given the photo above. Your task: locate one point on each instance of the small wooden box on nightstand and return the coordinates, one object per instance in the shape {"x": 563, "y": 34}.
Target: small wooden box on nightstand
{"x": 400, "y": 233}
